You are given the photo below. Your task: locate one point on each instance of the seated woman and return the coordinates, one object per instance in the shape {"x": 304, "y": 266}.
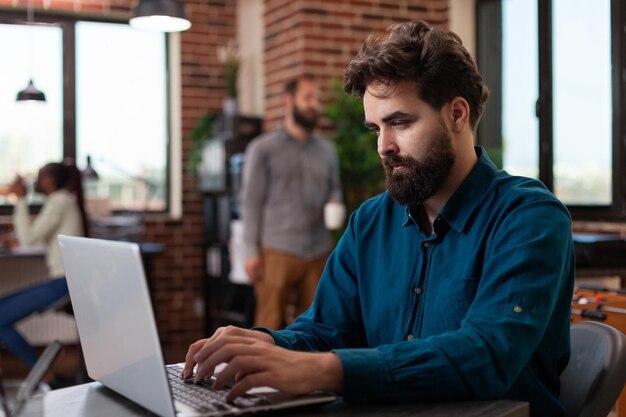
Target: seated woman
{"x": 62, "y": 213}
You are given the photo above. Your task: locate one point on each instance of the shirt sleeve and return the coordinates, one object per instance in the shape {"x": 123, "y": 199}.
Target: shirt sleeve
{"x": 253, "y": 192}
{"x": 40, "y": 229}
{"x": 527, "y": 271}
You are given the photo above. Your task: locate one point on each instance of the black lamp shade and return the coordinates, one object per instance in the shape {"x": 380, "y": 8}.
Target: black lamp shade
{"x": 89, "y": 173}
{"x": 160, "y": 15}
{"x": 30, "y": 93}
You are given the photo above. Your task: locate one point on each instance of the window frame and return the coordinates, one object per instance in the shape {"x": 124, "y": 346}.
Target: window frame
{"x": 67, "y": 23}
{"x": 490, "y": 65}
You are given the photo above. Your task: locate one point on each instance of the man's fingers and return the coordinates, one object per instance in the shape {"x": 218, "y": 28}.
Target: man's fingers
{"x": 249, "y": 381}
{"x": 202, "y": 350}
{"x": 189, "y": 362}
{"x": 236, "y": 346}
{"x": 212, "y": 346}
{"x": 194, "y": 348}
{"x": 244, "y": 363}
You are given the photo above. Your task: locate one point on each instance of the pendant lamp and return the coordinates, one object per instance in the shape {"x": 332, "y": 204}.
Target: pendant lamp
{"x": 160, "y": 16}
{"x": 89, "y": 173}
{"x": 30, "y": 93}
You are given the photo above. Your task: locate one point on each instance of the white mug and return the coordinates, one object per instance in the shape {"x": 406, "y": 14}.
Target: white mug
{"x": 334, "y": 215}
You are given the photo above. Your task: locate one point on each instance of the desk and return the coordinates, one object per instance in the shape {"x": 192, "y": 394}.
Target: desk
{"x": 600, "y": 256}
{"x": 95, "y": 400}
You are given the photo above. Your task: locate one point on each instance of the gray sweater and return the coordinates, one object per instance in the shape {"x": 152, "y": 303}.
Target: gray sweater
{"x": 286, "y": 183}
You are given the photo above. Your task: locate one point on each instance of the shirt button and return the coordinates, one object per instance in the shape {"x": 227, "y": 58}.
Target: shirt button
{"x": 517, "y": 309}
{"x": 426, "y": 244}
{"x": 409, "y": 337}
{"x": 417, "y": 290}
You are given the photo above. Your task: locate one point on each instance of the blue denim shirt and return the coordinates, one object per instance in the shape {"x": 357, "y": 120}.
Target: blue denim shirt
{"x": 480, "y": 309}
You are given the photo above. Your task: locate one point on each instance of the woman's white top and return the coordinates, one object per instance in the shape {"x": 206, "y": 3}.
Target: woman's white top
{"x": 59, "y": 215}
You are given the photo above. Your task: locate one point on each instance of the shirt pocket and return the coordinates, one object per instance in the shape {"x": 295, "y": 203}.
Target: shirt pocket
{"x": 449, "y": 299}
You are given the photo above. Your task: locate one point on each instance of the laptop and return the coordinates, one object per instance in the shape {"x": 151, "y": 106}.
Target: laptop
{"x": 120, "y": 342}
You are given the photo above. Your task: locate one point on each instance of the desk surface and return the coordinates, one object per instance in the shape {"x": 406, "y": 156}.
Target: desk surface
{"x": 94, "y": 400}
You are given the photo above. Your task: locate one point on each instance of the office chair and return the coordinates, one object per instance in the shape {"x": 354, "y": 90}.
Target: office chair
{"x": 596, "y": 373}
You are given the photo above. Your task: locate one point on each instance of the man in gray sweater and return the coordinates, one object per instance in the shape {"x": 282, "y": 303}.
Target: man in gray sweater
{"x": 289, "y": 175}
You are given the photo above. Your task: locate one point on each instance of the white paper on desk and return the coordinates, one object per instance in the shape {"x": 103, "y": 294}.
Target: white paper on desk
{"x": 237, "y": 255}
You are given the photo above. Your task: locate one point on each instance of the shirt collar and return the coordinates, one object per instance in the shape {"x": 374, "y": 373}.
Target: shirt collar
{"x": 288, "y": 136}
{"x": 457, "y": 211}
{"x": 467, "y": 197}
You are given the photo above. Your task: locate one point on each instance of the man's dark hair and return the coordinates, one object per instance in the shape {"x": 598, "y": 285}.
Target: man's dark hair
{"x": 292, "y": 85}
{"x": 434, "y": 58}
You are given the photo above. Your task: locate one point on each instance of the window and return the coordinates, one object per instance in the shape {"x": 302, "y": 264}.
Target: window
{"x": 113, "y": 106}
{"x": 554, "y": 68}
{"x": 582, "y": 108}
{"x": 520, "y": 127}
{"x": 31, "y": 133}
{"x": 122, "y": 113}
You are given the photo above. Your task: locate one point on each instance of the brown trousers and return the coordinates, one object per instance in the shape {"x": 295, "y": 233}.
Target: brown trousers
{"x": 284, "y": 274}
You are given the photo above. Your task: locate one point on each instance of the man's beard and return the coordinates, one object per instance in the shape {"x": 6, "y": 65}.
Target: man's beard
{"x": 419, "y": 180}
{"x": 306, "y": 119}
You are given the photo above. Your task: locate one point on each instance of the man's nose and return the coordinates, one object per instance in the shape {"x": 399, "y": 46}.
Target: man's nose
{"x": 386, "y": 143}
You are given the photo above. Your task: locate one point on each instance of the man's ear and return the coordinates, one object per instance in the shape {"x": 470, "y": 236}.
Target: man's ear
{"x": 459, "y": 114}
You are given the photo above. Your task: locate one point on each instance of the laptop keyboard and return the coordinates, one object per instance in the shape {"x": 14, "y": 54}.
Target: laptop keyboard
{"x": 203, "y": 398}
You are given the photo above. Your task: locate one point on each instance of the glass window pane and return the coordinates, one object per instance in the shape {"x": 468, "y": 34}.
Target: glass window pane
{"x": 582, "y": 101}
{"x": 121, "y": 96}
{"x": 520, "y": 84}
{"x": 31, "y": 133}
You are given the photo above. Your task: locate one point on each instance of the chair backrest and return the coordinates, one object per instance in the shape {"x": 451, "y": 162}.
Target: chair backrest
{"x": 596, "y": 372}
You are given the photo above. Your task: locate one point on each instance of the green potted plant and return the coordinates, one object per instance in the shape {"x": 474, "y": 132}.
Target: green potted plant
{"x": 201, "y": 134}
{"x": 228, "y": 56}
{"x": 362, "y": 175}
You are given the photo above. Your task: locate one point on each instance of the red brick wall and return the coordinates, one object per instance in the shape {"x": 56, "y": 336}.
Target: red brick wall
{"x": 319, "y": 37}
{"x": 302, "y": 36}
{"x": 178, "y": 272}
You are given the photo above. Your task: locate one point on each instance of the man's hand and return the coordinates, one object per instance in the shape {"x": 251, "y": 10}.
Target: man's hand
{"x": 254, "y": 361}
{"x": 253, "y": 268}
{"x": 204, "y": 344}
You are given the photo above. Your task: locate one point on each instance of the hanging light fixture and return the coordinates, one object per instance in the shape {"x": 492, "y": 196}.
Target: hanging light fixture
{"x": 160, "y": 16}
{"x": 30, "y": 93}
{"x": 89, "y": 173}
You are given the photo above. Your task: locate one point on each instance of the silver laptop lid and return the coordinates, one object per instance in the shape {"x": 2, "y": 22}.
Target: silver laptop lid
{"x": 115, "y": 321}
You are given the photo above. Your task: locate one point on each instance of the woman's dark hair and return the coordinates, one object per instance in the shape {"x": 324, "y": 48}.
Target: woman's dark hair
{"x": 434, "y": 58}
{"x": 66, "y": 175}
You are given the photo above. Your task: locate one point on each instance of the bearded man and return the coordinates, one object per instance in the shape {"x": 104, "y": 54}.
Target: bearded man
{"x": 455, "y": 284}
{"x": 289, "y": 176}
